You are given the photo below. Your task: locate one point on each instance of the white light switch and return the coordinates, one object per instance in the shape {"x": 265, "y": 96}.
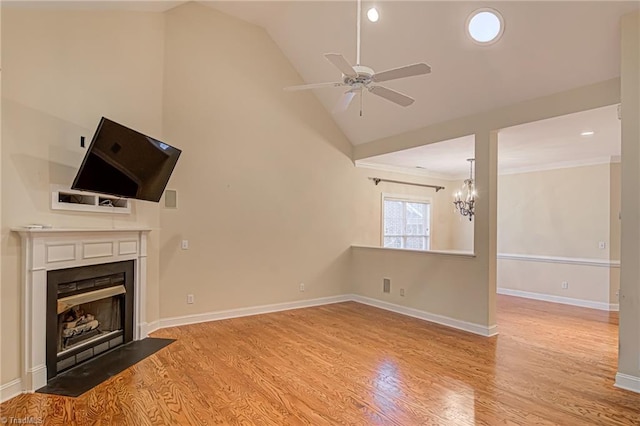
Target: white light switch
{"x": 185, "y": 245}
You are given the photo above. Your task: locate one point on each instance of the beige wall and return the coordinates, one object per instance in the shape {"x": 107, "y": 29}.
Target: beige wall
{"x": 615, "y": 182}
{"x": 445, "y": 222}
{"x": 265, "y": 182}
{"x": 61, "y": 71}
{"x": 459, "y": 288}
{"x": 629, "y": 353}
{"x": 266, "y": 200}
{"x": 2, "y": 344}
{"x": 561, "y": 214}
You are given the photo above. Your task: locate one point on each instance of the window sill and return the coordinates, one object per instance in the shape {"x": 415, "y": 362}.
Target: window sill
{"x": 438, "y": 252}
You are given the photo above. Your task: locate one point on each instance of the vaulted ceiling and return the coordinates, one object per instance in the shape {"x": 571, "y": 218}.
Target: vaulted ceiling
{"x": 547, "y": 47}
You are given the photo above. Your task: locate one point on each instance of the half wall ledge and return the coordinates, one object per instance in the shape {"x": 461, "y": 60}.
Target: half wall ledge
{"x": 460, "y": 253}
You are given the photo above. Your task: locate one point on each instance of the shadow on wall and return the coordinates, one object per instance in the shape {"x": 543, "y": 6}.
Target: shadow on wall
{"x": 43, "y": 149}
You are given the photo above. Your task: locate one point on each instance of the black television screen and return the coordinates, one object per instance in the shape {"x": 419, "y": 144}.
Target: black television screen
{"x": 123, "y": 162}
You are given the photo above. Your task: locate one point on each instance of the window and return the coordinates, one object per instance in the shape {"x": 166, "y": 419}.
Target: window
{"x": 406, "y": 223}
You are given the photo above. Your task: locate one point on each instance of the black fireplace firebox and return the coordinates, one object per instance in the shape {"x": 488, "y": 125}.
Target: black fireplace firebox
{"x": 89, "y": 311}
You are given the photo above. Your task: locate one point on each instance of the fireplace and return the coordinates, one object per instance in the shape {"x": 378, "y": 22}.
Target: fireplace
{"x": 89, "y": 311}
{"x": 49, "y": 254}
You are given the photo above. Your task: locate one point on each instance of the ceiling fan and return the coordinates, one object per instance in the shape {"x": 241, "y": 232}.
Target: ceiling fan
{"x": 359, "y": 78}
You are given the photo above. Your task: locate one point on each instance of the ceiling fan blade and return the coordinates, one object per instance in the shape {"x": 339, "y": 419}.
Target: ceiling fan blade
{"x": 392, "y": 95}
{"x": 344, "y": 101}
{"x": 402, "y": 72}
{"x": 314, "y": 86}
{"x": 341, "y": 63}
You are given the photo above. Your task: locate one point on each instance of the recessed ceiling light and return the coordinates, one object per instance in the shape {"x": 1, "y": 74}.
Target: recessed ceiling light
{"x": 485, "y": 26}
{"x": 587, "y": 133}
{"x": 373, "y": 14}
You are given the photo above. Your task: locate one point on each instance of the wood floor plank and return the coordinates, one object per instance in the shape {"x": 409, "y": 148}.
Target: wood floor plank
{"x": 353, "y": 364}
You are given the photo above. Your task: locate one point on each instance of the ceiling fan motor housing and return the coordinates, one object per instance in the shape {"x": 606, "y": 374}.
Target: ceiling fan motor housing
{"x": 363, "y": 77}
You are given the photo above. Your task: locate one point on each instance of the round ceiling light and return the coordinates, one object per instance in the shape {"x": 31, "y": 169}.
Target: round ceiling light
{"x": 373, "y": 14}
{"x": 485, "y": 26}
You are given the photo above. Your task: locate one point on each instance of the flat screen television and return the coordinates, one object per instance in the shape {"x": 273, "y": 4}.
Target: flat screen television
{"x": 123, "y": 162}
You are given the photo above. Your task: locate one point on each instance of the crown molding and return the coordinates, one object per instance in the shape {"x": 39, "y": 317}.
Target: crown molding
{"x": 614, "y": 159}
{"x": 404, "y": 170}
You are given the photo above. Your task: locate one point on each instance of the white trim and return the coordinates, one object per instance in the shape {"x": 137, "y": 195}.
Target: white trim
{"x": 265, "y": 309}
{"x": 439, "y": 252}
{"x": 28, "y": 230}
{"x": 403, "y": 170}
{"x": 10, "y": 389}
{"x": 627, "y": 382}
{"x": 147, "y": 328}
{"x": 558, "y": 259}
{"x": 406, "y": 198}
{"x": 36, "y": 263}
{"x": 470, "y": 327}
{"x": 93, "y": 201}
{"x": 603, "y": 306}
{"x": 254, "y": 310}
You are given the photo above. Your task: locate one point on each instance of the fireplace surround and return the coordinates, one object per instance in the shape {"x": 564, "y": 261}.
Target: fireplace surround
{"x": 56, "y": 249}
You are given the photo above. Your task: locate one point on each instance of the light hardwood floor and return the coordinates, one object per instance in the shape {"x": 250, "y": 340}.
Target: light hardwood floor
{"x": 353, "y": 364}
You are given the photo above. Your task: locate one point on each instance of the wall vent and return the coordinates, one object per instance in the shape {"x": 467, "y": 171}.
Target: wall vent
{"x": 386, "y": 285}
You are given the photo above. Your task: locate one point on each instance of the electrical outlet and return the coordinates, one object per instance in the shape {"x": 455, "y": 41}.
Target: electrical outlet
{"x": 565, "y": 285}
{"x": 301, "y": 286}
{"x": 602, "y": 245}
{"x": 190, "y": 299}
{"x": 402, "y": 292}
{"x": 184, "y": 245}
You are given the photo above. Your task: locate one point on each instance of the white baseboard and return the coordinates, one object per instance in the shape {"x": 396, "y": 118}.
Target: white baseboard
{"x": 35, "y": 378}
{"x": 438, "y": 319}
{"x": 243, "y": 312}
{"x": 627, "y": 382}
{"x": 560, "y": 299}
{"x": 264, "y": 309}
{"x": 147, "y": 328}
{"x": 10, "y": 389}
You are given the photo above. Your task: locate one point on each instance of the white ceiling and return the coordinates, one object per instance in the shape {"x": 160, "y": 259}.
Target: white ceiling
{"x": 547, "y": 47}
{"x": 545, "y": 144}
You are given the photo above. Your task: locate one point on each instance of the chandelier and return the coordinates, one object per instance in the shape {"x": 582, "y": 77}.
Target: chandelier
{"x": 465, "y": 198}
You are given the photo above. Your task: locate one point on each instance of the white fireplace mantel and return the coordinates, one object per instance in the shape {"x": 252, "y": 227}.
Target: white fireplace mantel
{"x": 49, "y": 249}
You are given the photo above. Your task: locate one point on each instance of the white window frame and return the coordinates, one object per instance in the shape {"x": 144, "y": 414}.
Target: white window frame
{"x": 410, "y": 199}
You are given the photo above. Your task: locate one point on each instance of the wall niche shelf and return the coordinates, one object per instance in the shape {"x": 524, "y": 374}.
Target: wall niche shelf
{"x": 69, "y": 199}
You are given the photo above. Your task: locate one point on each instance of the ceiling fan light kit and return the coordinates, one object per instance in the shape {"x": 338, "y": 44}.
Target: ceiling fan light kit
{"x": 359, "y": 78}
